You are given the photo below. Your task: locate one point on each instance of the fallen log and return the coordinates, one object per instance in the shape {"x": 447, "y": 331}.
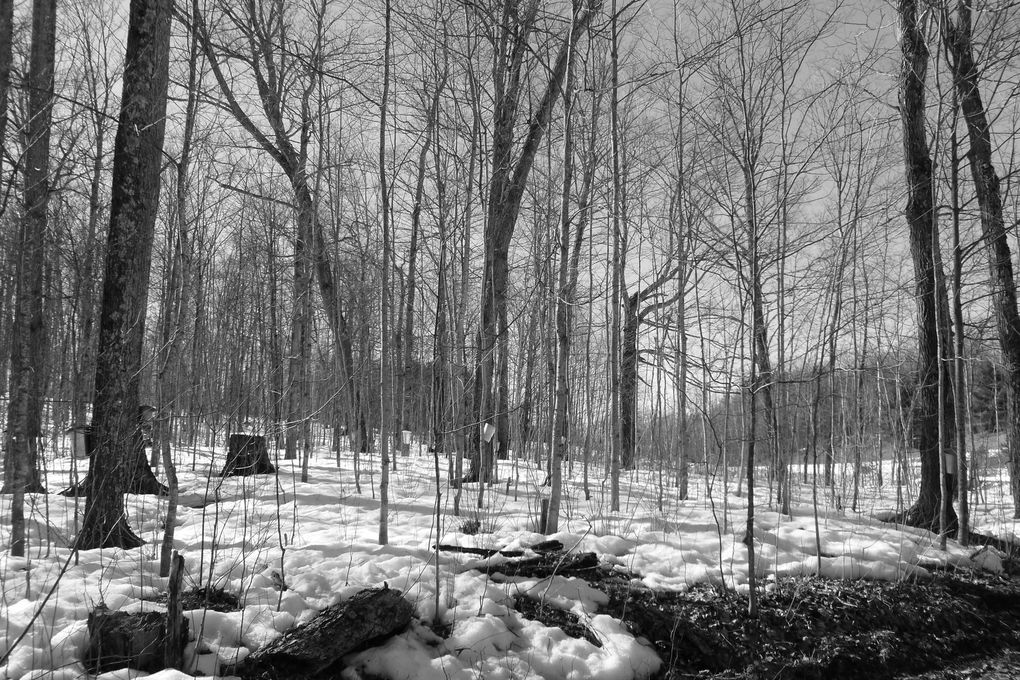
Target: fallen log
{"x": 543, "y": 548}
{"x": 483, "y": 552}
{"x": 553, "y": 564}
{"x": 363, "y": 621}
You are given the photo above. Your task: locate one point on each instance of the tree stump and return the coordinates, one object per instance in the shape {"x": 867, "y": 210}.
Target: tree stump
{"x": 122, "y": 640}
{"x": 366, "y": 619}
{"x": 247, "y": 455}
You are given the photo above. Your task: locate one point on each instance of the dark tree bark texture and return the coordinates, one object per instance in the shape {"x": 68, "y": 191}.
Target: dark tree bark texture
{"x": 134, "y": 201}
{"x": 6, "y": 53}
{"x": 315, "y": 647}
{"x": 122, "y": 640}
{"x": 27, "y": 367}
{"x": 959, "y": 40}
{"x": 28, "y": 335}
{"x": 506, "y": 189}
{"x": 629, "y": 381}
{"x": 930, "y": 292}
{"x": 247, "y": 455}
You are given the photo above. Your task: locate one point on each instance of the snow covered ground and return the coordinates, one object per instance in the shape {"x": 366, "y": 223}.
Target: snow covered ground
{"x": 320, "y": 539}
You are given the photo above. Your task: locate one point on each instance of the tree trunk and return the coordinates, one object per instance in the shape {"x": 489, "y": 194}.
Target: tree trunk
{"x": 564, "y": 304}
{"x": 406, "y": 333}
{"x": 629, "y": 381}
{"x": 930, "y": 292}
{"x": 385, "y": 386}
{"x": 24, "y": 410}
{"x": 615, "y": 297}
{"x": 506, "y": 189}
{"x": 134, "y": 201}
{"x": 6, "y": 54}
{"x": 967, "y": 77}
{"x": 175, "y": 311}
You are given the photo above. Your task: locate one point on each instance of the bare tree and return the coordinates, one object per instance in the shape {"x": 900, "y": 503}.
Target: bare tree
{"x": 6, "y": 54}
{"x": 959, "y": 40}
{"x": 931, "y": 298}
{"x": 24, "y": 411}
{"x": 511, "y": 31}
{"x": 386, "y": 378}
{"x": 134, "y": 201}
{"x": 269, "y": 51}
{"x": 177, "y": 303}
{"x": 565, "y": 299}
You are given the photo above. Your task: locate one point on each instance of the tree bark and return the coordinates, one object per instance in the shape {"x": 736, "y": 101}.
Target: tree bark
{"x": 930, "y": 293}
{"x": 315, "y": 647}
{"x": 564, "y": 303}
{"x": 616, "y": 292}
{"x": 385, "y": 384}
{"x": 24, "y": 411}
{"x": 6, "y": 58}
{"x": 311, "y": 245}
{"x": 176, "y": 307}
{"x": 134, "y": 201}
{"x": 508, "y": 179}
{"x": 967, "y": 78}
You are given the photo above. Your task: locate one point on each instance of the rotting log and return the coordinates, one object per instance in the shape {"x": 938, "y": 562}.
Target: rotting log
{"x": 367, "y": 619}
{"x": 553, "y": 564}
{"x": 482, "y": 552}
{"x": 545, "y": 547}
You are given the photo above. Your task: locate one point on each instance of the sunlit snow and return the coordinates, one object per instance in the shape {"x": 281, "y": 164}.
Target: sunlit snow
{"x": 320, "y": 540}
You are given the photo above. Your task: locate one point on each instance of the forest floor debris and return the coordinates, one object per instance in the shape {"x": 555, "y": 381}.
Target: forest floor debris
{"x": 831, "y": 629}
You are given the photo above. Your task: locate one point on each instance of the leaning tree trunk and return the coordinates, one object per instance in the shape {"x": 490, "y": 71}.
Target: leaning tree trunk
{"x": 930, "y": 292}
{"x": 959, "y": 40}
{"x": 134, "y": 201}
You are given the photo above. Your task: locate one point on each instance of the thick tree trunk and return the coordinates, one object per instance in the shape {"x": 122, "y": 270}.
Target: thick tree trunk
{"x": 930, "y": 292}
{"x": 134, "y": 202}
{"x": 967, "y": 77}
{"x": 629, "y": 381}
{"x": 6, "y": 54}
{"x": 506, "y": 189}
{"x": 24, "y": 410}
{"x": 300, "y": 321}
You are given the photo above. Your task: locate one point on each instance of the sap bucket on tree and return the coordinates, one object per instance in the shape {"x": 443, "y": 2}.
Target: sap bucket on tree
{"x": 488, "y": 432}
